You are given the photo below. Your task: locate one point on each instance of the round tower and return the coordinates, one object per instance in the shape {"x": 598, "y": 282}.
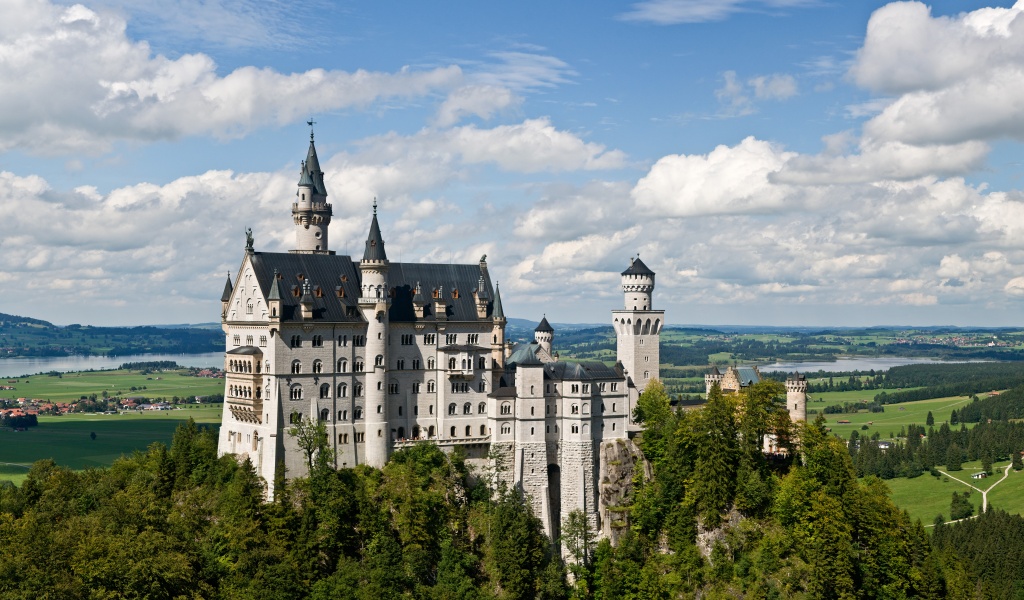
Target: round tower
{"x": 311, "y": 212}
{"x": 638, "y": 285}
{"x": 544, "y": 334}
{"x": 796, "y": 397}
{"x": 374, "y": 303}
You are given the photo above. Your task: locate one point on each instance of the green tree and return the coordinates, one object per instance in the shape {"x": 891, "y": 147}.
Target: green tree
{"x": 929, "y": 420}
{"x": 961, "y": 506}
{"x": 311, "y": 436}
{"x": 654, "y": 413}
{"x": 954, "y": 458}
{"x": 713, "y": 434}
{"x": 1016, "y": 461}
{"x": 578, "y": 541}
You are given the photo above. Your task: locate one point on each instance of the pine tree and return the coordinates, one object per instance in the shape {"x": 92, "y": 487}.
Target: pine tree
{"x": 929, "y": 420}
{"x": 1015, "y": 459}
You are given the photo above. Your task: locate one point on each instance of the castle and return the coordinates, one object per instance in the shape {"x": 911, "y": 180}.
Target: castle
{"x": 389, "y": 354}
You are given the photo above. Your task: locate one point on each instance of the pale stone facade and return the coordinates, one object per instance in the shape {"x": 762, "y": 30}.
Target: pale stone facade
{"x": 388, "y": 354}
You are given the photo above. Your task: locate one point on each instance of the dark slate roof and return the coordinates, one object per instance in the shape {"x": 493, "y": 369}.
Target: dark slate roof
{"x": 327, "y": 272}
{"x": 715, "y": 371}
{"x": 275, "y": 288}
{"x": 463, "y": 348}
{"x": 524, "y": 354}
{"x": 312, "y": 166}
{"x": 747, "y": 376}
{"x": 245, "y": 350}
{"x": 580, "y": 371}
{"x": 374, "y": 241}
{"x": 226, "y": 296}
{"x": 637, "y": 268}
{"x": 545, "y": 326}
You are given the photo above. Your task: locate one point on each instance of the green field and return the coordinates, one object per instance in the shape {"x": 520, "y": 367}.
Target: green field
{"x": 71, "y": 386}
{"x": 66, "y": 439}
{"x": 925, "y": 497}
{"x": 895, "y": 416}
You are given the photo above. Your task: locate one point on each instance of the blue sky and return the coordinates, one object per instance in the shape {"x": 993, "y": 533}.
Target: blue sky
{"x": 780, "y": 162}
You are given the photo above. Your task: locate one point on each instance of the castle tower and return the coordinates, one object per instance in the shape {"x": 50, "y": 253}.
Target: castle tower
{"x": 311, "y": 212}
{"x": 374, "y": 302}
{"x": 544, "y": 334}
{"x": 710, "y": 379}
{"x": 796, "y": 397}
{"x": 531, "y": 459}
{"x": 497, "y": 339}
{"x": 638, "y": 328}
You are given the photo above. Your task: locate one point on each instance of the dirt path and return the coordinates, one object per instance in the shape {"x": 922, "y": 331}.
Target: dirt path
{"x": 984, "y": 493}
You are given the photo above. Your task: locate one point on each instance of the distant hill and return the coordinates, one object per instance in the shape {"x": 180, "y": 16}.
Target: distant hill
{"x": 25, "y": 336}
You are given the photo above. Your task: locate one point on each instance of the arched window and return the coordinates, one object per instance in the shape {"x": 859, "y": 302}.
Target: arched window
{"x": 506, "y": 408}
{"x": 586, "y": 408}
{"x": 506, "y": 429}
{"x": 452, "y": 431}
{"x": 325, "y": 414}
{"x": 378, "y": 360}
{"x": 430, "y": 363}
{"x": 452, "y": 408}
{"x": 357, "y": 365}
{"x": 359, "y": 413}
{"x": 430, "y": 386}
{"x": 380, "y": 409}
{"x": 483, "y": 430}
{"x": 469, "y": 432}
{"x": 342, "y": 390}
{"x": 296, "y": 392}
{"x": 451, "y": 363}
{"x": 430, "y": 431}
{"x": 357, "y": 390}
{"x": 325, "y": 390}
{"x": 343, "y": 415}
{"x": 464, "y": 364}
{"x": 483, "y": 386}
{"x": 296, "y": 366}
{"x": 467, "y": 409}
{"x": 342, "y": 365}
{"x": 380, "y": 385}
{"x": 482, "y": 362}
{"x": 481, "y": 408}
{"x": 575, "y": 409}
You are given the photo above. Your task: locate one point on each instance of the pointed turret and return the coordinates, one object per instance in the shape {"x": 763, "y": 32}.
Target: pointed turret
{"x": 306, "y": 302}
{"x": 274, "y": 297}
{"x": 544, "y": 326}
{"x": 544, "y": 334}
{"x": 498, "y": 312}
{"x": 419, "y": 302}
{"x": 226, "y": 296}
{"x": 374, "y": 242}
{"x": 311, "y": 211}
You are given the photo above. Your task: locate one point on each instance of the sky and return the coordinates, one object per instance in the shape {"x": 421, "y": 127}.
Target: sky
{"x": 775, "y": 162}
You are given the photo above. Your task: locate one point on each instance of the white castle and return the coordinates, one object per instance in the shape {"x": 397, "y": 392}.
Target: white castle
{"x": 389, "y": 354}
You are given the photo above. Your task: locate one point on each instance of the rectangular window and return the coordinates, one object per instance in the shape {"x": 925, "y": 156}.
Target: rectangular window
{"x": 360, "y": 437}
{"x": 392, "y": 388}
{"x": 416, "y": 364}
{"x": 586, "y": 388}
{"x": 263, "y": 341}
{"x": 429, "y": 339}
{"x": 408, "y": 339}
{"x": 473, "y": 338}
{"x": 248, "y": 340}
{"x": 416, "y": 388}
{"x": 359, "y": 340}
{"x": 451, "y": 339}
{"x": 615, "y": 386}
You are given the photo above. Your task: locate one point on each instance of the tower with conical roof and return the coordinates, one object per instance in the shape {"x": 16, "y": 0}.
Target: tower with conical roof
{"x": 638, "y": 328}
{"x": 374, "y": 304}
{"x": 311, "y": 212}
{"x": 544, "y": 334}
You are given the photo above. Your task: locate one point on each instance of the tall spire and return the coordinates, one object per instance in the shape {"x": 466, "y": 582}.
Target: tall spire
{"x": 497, "y": 313}
{"x": 374, "y": 241}
{"x": 226, "y": 296}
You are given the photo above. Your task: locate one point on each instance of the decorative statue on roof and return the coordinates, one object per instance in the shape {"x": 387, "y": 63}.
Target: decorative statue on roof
{"x": 248, "y": 238}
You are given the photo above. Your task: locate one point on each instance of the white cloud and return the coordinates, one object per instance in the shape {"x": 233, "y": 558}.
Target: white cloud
{"x": 735, "y": 96}
{"x": 74, "y": 82}
{"x": 728, "y": 180}
{"x": 674, "y": 12}
{"x": 956, "y": 79}
{"x": 483, "y": 101}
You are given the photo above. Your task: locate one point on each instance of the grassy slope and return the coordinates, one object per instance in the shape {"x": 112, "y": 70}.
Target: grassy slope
{"x": 925, "y": 496}
{"x": 894, "y": 417}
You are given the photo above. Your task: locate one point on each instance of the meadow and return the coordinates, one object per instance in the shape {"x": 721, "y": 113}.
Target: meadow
{"x": 71, "y": 386}
{"x": 67, "y": 439}
{"x": 887, "y": 424}
{"x": 925, "y": 497}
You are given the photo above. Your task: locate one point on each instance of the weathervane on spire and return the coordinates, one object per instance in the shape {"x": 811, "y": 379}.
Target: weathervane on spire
{"x": 311, "y": 122}
{"x": 375, "y": 206}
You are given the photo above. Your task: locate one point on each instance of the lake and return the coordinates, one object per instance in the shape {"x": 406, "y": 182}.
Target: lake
{"x": 16, "y": 367}
{"x": 853, "y": 364}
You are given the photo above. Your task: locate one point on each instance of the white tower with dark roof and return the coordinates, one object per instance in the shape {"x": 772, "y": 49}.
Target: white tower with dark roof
{"x": 311, "y": 212}
{"x": 638, "y": 328}
{"x": 374, "y": 304}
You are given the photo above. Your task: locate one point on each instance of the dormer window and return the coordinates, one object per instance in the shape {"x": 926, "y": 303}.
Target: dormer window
{"x": 296, "y": 291}
{"x": 300, "y": 277}
{"x": 455, "y": 294}
{"x": 436, "y": 294}
{"x": 318, "y": 292}
{"x": 340, "y": 291}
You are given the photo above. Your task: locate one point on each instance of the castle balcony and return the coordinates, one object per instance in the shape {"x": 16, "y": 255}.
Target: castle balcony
{"x": 443, "y": 442}
{"x": 461, "y": 374}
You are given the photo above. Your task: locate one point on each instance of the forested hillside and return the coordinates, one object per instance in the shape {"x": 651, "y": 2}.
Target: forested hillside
{"x": 718, "y": 519}
{"x": 22, "y": 336}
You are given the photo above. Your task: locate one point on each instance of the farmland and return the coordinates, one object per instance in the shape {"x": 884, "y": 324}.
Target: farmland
{"x": 68, "y": 387}
{"x": 67, "y": 439}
